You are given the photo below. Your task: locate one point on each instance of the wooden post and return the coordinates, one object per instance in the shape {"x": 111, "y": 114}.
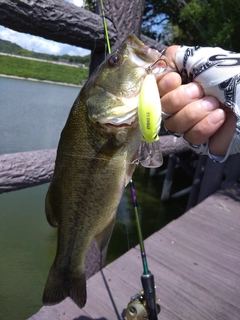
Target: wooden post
{"x": 215, "y": 174}
{"x": 127, "y": 19}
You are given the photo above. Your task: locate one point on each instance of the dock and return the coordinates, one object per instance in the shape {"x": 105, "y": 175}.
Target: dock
{"x": 195, "y": 261}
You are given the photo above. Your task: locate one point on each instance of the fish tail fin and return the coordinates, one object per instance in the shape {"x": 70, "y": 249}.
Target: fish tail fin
{"x": 62, "y": 285}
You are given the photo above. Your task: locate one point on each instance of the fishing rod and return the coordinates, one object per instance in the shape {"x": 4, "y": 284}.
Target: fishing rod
{"x": 143, "y": 305}
{"x": 105, "y": 26}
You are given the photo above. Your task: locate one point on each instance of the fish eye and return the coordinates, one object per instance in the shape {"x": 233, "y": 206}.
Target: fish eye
{"x": 115, "y": 60}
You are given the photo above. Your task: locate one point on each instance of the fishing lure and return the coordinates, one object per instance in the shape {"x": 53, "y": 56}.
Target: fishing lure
{"x": 149, "y": 109}
{"x": 150, "y": 116}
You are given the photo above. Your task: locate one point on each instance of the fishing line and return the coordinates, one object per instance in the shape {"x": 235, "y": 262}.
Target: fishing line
{"x": 140, "y": 237}
{"x": 123, "y": 212}
{"x": 105, "y": 26}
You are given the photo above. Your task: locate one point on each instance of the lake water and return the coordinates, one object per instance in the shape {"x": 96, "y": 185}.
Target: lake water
{"x": 32, "y": 115}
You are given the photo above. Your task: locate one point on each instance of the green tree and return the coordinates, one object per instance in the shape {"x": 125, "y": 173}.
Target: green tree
{"x": 191, "y": 22}
{"x": 194, "y": 22}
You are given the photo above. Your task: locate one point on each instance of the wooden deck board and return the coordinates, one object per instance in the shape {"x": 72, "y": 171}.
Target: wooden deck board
{"x": 206, "y": 249}
{"x": 212, "y": 234}
{"x": 197, "y": 268}
{"x": 196, "y": 265}
{"x": 217, "y": 204}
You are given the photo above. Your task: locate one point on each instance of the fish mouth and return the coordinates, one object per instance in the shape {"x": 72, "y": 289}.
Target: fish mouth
{"x": 123, "y": 125}
{"x": 125, "y": 114}
{"x": 149, "y": 58}
{"x": 124, "y": 120}
{"x": 116, "y": 127}
{"x": 142, "y": 55}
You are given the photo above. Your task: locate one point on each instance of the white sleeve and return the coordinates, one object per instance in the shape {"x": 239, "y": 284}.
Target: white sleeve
{"x": 218, "y": 72}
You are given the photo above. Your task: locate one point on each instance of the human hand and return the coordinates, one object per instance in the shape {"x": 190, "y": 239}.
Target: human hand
{"x": 196, "y": 116}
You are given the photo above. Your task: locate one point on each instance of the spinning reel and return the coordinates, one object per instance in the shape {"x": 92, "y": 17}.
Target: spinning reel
{"x": 138, "y": 308}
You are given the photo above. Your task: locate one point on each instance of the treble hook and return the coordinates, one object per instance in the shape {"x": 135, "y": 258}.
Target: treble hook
{"x": 149, "y": 68}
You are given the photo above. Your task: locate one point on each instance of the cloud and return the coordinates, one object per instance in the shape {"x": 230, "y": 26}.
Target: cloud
{"x": 39, "y": 44}
{"x": 78, "y": 3}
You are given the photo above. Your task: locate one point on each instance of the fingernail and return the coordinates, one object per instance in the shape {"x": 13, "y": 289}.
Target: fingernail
{"x": 216, "y": 116}
{"x": 209, "y": 103}
{"x": 193, "y": 91}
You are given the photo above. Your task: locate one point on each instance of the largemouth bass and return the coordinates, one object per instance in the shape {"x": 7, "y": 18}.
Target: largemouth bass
{"x": 95, "y": 161}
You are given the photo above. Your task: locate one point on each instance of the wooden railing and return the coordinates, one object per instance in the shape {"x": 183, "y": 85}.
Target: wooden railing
{"x": 28, "y": 169}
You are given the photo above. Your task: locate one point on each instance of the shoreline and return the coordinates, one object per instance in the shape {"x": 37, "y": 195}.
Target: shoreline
{"x": 38, "y": 80}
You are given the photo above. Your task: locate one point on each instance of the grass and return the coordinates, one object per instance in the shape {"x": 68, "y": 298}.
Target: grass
{"x": 42, "y": 70}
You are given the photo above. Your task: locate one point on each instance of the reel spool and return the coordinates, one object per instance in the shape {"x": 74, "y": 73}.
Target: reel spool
{"x": 137, "y": 308}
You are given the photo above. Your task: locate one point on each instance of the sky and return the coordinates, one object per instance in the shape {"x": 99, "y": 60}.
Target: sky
{"x": 39, "y": 44}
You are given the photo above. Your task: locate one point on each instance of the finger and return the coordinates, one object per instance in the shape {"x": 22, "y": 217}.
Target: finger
{"x": 175, "y": 100}
{"x": 169, "y": 82}
{"x": 191, "y": 114}
{"x": 170, "y": 52}
{"x": 220, "y": 141}
{"x": 205, "y": 128}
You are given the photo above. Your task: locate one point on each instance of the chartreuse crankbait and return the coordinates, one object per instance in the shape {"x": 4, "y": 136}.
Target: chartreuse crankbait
{"x": 149, "y": 116}
{"x": 149, "y": 109}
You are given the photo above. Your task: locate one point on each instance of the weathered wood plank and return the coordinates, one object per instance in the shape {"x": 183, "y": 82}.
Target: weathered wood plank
{"x": 189, "y": 298}
{"x": 64, "y": 311}
{"x": 226, "y": 206}
{"x": 126, "y": 17}
{"x": 60, "y": 21}
{"x": 183, "y": 296}
{"x": 20, "y": 170}
{"x": 192, "y": 224}
{"x": 190, "y": 263}
{"x": 202, "y": 246}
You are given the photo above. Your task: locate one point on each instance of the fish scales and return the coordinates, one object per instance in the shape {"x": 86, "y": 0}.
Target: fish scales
{"x": 94, "y": 163}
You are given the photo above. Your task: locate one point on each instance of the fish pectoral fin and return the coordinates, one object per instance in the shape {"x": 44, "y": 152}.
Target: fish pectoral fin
{"x": 51, "y": 217}
{"x": 61, "y": 285}
{"x": 104, "y": 236}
